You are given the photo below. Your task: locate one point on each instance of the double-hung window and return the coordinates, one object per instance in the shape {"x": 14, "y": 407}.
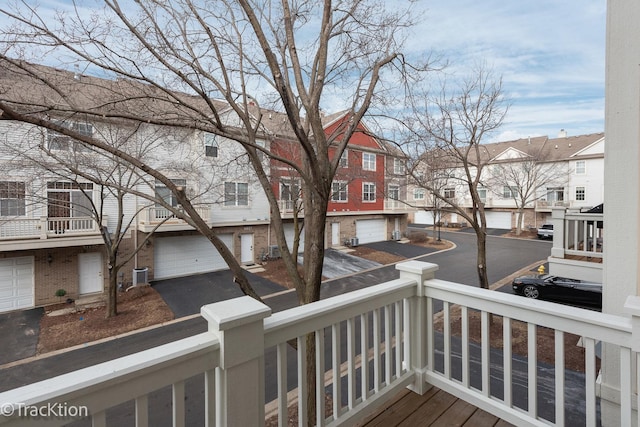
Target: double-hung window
{"x": 12, "y": 198}
{"x": 59, "y": 141}
{"x": 580, "y": 193}
{"x": 344, "y": 159}
{"x": 418, "y": 194}
{"x": 369, "y": 192}
{"x": 236, "y": 194}
{"x": 339, "y": 191}
{"x": 394, "y": 192}
{"x": 398, "y": 167}
{"x": 163, "y": 193}
{"x": 368, "y": 161}
{"x": 581, "y": 167}
{"x": 210, "y": 145}
{"x": 450, "y": 193}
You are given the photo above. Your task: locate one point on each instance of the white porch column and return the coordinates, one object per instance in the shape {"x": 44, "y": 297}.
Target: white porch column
{"x": 418, "y": 271}
{"x": 240, "y": 377}
{"x": 557, "y": 215}
{"x": 621, "y": 183}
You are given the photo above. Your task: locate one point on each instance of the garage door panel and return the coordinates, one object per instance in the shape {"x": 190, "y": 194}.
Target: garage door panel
{"x": 16, "y": 283}
{"x": 371, "y": 230}
{"x": 184, "y": 255}
{"x": 500, "y": 220}
{"x": 289, "y": 234}
{"x": 424, "y": 217}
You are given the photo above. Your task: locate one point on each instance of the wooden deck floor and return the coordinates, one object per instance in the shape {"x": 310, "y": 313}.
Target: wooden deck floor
{"x": 434, "y": 408}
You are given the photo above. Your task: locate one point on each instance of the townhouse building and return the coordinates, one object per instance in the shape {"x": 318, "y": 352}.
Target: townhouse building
{"x": 54, "y": 206}
{"x": 537, "y": 174}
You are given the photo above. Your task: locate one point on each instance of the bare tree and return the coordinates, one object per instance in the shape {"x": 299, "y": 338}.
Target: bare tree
{"x": 294, "y": 54}
{"x": 522, "y": 179}
{"x": 451, "y": 127}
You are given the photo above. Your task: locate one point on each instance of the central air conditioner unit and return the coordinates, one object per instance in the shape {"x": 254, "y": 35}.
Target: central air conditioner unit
{"x": 354, "y": 241}
{"x": 397, "y": 235}
{"x": 140, "y": 276}
{"x": 274, "y": 251}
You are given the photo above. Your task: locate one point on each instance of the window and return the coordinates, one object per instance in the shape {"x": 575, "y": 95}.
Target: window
{"x": 344, "y": 159}
{"x": 581, "y": 167}
{"x": 236, "y": 194}
{"x": 210, "y": 145}
{"x": 289, "y": 189}
{"x": 339, "y": 191}
{"x": 12, "y": 198}
{"x": 69, "y": 199}
{"x": 555, "y": 194}
{"x": 58, "y": 141}
{"x": 482, "y": 193}
{"x": 368, "y": 161}
{"x": 368, "y": 192}
{"x": 580, "y": 193}
{"x": 450, "y": 193}
{"x": 398, "y": 167}
{"x": 163, "y": 193}
{"x": 509, "y": 192}
{"x": 394, "y": 192}
{"x": 418, "y": 194}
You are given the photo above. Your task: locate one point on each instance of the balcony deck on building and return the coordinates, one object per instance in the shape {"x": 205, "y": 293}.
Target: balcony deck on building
{"x": 434, "y": 408}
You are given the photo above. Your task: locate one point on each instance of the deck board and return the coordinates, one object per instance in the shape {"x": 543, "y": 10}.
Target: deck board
{"x": 435, "y": 408}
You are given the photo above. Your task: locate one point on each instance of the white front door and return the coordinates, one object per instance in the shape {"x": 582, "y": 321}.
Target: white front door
{"x": 246, "y": 249}
{"x": 90, "y": 273}
{"x": 335, "y": 234}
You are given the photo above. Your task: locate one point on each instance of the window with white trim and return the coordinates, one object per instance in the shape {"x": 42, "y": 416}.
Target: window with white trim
{"x": 580, "y": 193}
{"x": 581, "y": 167}
{"x": 369, "y": 192}
{"x": 289, "y": 189}
{"x": 509, "y": 192}
{"x": 394, "y": 192}
{"x": 236, "y": 194}
{"x": 449, "y": 193}
{"x": 339, "y": 191}
{"x": 482, "y": 193}
{"x": 418, "y": 194}
{"x": 210, "y": 145}
{"x": 398, "y": 167}
{"x": 12, "y": 198}
{"x": 344, "y": 159}
{"x": 163, "y": 193}
{"x": 368, "y": 161}
{"x": 59, "y": 141}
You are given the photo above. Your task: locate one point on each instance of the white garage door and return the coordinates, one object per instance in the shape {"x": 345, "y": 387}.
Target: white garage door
{"x": 16, "y": 283}
{"x": 184, "y": 255}
{"x": 289, "y": 235}
{"x": 371, "y": 230}
{"x": 423, "y": 217}
{"x": 498, "y": 220}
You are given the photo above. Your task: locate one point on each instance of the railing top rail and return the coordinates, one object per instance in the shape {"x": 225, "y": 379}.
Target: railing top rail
{"x": 600, "y": 326}
{"x": 577, "y": 216}
{"x": 81, "y": 383}
{"x": 301, "y": 320}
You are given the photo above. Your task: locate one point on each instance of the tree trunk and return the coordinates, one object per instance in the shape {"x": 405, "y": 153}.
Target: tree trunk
{"x": 482, "y": 259}
{"x": 112, "y": 291}
{"x": 519, "y": 222}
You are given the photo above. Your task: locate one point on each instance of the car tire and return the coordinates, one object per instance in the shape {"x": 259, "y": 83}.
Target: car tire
{"x": 531, "y": 291}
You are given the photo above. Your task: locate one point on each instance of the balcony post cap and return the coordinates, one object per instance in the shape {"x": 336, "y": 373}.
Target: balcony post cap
{"x": 229, "y": 314}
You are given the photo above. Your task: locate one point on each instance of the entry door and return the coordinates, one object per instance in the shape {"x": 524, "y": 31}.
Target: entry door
{"x": 335, "y": 234}
{"x": 90, "y": 273}
{"x": 246, "y": 249}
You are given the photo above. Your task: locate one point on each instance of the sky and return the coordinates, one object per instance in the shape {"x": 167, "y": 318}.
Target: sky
{"x": 550, "y": 54}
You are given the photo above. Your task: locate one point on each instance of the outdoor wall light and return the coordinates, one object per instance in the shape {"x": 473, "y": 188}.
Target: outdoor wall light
{"x": 49, "y": 258}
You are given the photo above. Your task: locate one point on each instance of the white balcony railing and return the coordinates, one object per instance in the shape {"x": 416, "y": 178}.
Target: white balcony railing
{"x": 577, "y": 234}
{"x": 390, "y": 329}
{"x": 44, "y": 228}
{"x": 157, "y": 214}
{"x": 290, "y": 206}
{"x": 395, "y": 205}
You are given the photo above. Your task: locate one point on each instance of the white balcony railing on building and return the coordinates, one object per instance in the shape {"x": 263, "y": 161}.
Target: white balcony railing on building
{"x": 44, "y": 228}
{"x": 401, "y": 332}
{"x": 577, "y": 234}
{"x": 157, "y": 214}
{"x": 290, "y": 206}
{"x": 395, "y": 205}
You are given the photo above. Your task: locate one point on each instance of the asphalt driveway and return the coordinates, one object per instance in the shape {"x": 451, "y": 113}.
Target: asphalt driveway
{"x": 19, "y": 331}
{"x": 406, "y": 250}
{"x": 338, "y": 264}
{"x": 185, "y": 295}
